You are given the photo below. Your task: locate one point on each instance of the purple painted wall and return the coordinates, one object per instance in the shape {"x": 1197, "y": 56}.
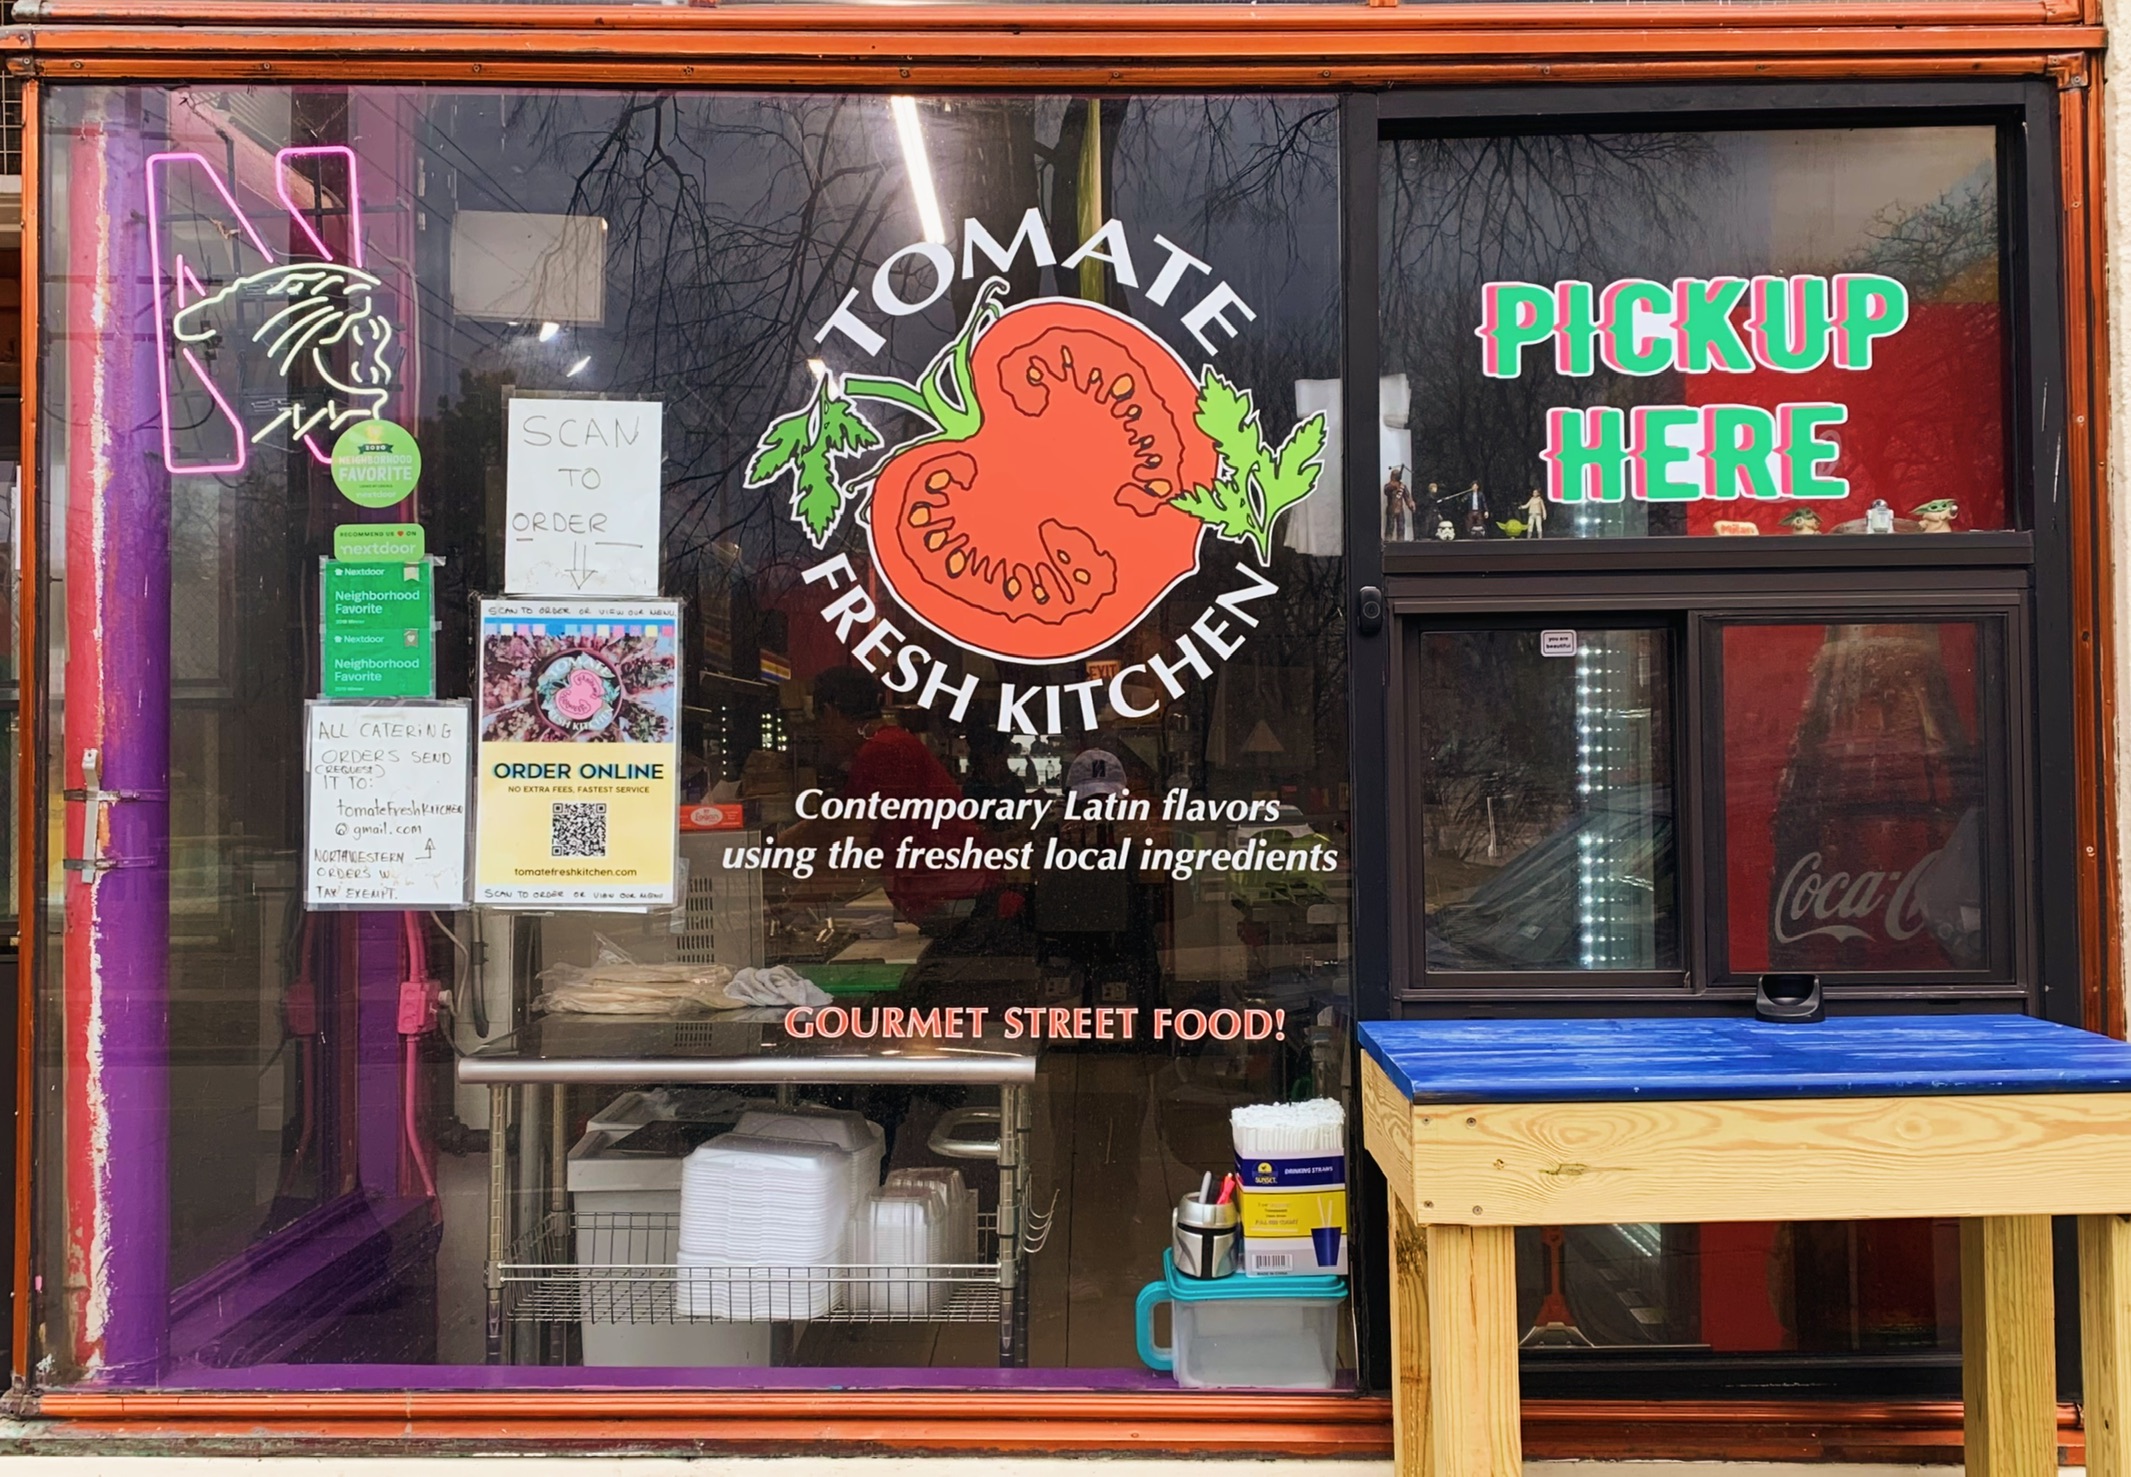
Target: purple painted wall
{"x": 117, "y": 501}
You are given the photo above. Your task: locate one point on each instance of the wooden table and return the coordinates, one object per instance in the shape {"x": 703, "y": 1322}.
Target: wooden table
{"x": 1485, "y": 1126}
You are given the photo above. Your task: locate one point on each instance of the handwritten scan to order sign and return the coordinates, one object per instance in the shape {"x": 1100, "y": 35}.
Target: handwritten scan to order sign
{"x": 387, "y": 805}
{"x": 583, "y": 495}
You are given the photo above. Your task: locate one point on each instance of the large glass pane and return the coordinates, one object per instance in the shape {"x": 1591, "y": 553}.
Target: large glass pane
{"x": 1545, "y": 771}
{"x": 1858, "y": 830}
{"x": 1768, "y": 333}
{"x": 1813, "y": 1288}
{"x": 1008, "y": 693}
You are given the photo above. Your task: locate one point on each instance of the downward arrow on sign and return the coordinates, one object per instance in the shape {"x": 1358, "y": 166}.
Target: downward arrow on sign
{"x": 579, "y": 571}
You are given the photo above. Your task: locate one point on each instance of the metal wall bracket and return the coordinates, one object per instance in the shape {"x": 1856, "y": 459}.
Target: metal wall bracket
{"x": 93, "y": 862}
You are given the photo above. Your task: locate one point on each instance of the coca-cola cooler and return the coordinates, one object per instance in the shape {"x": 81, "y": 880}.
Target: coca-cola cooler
{"x": 1862, "y": 845}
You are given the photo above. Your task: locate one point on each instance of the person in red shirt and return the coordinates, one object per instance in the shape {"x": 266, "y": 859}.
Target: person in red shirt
{"x": 882, "y": 758}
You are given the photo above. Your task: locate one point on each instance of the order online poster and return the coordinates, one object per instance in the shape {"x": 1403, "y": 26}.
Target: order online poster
{"x": 579, "y": 752}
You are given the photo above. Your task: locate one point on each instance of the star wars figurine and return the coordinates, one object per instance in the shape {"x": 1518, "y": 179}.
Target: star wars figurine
{"x": 1804, "y": 520}
{"x": 1937, "y": 515}
{"x": 1444, "y": 533}
{"x": 1535, "y": 515}
{"x": 1879, "y": 518}
{"x": 1398, "y": 508}
{"x": 1476, "y": 514}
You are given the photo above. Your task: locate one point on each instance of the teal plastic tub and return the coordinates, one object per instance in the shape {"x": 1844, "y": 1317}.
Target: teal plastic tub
{"x": 1244, "y": 1333}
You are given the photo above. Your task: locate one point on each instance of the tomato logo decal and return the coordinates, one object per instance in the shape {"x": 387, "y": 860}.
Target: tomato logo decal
{"x": 1069, "y": 469}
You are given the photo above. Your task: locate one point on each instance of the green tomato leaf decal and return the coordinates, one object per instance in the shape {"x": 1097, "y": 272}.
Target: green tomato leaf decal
{"x": 807, "y": 444}
{"x": 1255, "y": 483}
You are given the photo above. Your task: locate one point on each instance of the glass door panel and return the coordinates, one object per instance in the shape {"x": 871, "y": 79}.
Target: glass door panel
{"x": 1544, "y": 762}
{"x": 1862, "y": 797}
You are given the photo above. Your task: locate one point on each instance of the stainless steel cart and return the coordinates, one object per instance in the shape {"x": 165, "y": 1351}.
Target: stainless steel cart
{"x": 538, "y": 1276}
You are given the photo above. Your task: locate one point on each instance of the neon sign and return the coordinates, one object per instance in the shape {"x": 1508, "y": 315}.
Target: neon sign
{"x": 316, "y": 317}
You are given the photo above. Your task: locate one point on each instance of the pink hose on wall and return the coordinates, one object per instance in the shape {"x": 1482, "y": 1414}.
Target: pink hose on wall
{"x": 416, "y": 1014}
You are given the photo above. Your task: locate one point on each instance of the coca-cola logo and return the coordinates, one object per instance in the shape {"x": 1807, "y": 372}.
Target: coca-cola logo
{"x": 1813, "y": 904}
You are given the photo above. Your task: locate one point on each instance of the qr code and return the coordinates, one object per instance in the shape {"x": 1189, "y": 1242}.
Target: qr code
{"x": 578, "y": 828}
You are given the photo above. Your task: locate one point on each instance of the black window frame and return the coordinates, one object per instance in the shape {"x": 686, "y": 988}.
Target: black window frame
{"x": 1641, "y": 574}
{"x": 1417, "y": 618}
{"x": 1401, "y": 582}
{"x": 1695, "y": 610}
{"x": 2003, "y": 740}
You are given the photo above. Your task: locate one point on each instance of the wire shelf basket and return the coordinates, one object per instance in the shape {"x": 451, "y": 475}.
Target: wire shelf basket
{"x": 620, "y": 1267}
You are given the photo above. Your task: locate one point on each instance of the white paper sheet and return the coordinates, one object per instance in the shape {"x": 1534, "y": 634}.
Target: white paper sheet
{"x": 583, "y": 487}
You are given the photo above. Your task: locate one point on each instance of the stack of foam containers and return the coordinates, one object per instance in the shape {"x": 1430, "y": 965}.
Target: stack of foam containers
{"x": 961, "y": 1239}
{"x": 624, "y": 1205}
{"x": 761, "y": 1219}
{"x": 902, "y": 1235}
{"x": 852, "y": 1133}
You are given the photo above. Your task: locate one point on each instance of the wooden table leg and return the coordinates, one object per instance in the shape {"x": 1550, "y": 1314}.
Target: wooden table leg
{"x": 2105, "y": 1341}
{"x": 2008, "y": 1347}
{"x": 1455, "y": 1409}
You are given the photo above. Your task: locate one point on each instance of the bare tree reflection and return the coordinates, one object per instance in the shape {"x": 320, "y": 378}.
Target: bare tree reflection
{"x": 1460, "y": 212}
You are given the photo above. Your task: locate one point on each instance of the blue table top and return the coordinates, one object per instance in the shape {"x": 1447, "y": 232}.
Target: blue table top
{"x": 1850, "y": 1056}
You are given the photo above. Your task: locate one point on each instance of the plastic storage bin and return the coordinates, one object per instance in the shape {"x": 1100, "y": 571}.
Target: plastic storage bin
{"x": 626, "y": 1206}
{"x": 1242, "y": 1332}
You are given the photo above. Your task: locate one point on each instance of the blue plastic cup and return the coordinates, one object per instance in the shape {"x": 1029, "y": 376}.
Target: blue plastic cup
{"x": 1326, "y": 1240}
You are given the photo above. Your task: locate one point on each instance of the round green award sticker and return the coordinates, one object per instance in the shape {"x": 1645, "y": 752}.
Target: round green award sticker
{"x": 375, "y": 463}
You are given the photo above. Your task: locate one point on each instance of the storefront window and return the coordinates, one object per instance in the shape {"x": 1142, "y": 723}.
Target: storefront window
{"x": 877, "y": 557}
{"x": 1854, "y": 781}
{"x": 1750, "y": 333}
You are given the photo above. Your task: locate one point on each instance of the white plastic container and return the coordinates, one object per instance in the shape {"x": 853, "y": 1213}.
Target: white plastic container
{"x": 1245, "y": 1333}
{"x": 903, "y": 1231}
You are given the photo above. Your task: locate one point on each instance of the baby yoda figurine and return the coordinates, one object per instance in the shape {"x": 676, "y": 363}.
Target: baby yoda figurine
{"x": 1937, "y": 515}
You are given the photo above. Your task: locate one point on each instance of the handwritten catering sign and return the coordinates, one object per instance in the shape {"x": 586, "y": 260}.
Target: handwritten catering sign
{"x": 1792, "y": 325}
{"x": 386, "y": 805}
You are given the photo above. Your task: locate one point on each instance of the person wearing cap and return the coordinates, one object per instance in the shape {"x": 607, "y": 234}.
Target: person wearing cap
{"x": 1093, "y": 773}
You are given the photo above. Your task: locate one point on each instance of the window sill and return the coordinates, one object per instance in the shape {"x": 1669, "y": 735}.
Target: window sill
{"x": 1635, "y": 555}
{"x": 1197, "y": 1424}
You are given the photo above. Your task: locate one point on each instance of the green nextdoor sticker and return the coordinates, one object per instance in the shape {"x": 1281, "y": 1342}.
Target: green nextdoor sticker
{"x": 377, "y": 622}
{"x": 375, "y": 463}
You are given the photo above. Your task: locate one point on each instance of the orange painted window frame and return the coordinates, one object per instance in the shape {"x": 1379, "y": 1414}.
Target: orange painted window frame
{"x": 1083, "y": 47}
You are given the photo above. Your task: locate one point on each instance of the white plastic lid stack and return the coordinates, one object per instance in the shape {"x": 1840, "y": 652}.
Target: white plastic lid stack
{"x": 903, "y": 1232}
{"x": 1312, "y": 1129}
{"x": 775, "y": 1206}
{"x": 961, "y": 1240}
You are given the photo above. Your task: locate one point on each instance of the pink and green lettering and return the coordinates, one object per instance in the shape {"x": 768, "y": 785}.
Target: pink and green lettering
{"x": 1867, "y": 307}
{"x": 1586, "y": 454}
{"x": 1787, "y": 322}
{"x": 1738, "y": 440}
{"x": 1658, "y": 458}
{"x": 1628, "y": 346}
{"x": 1801, "y": 452}
{"x": 1576, "y": 328}
{"x": 1513, "y": 317}
{"x": 1701, "y": 325}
